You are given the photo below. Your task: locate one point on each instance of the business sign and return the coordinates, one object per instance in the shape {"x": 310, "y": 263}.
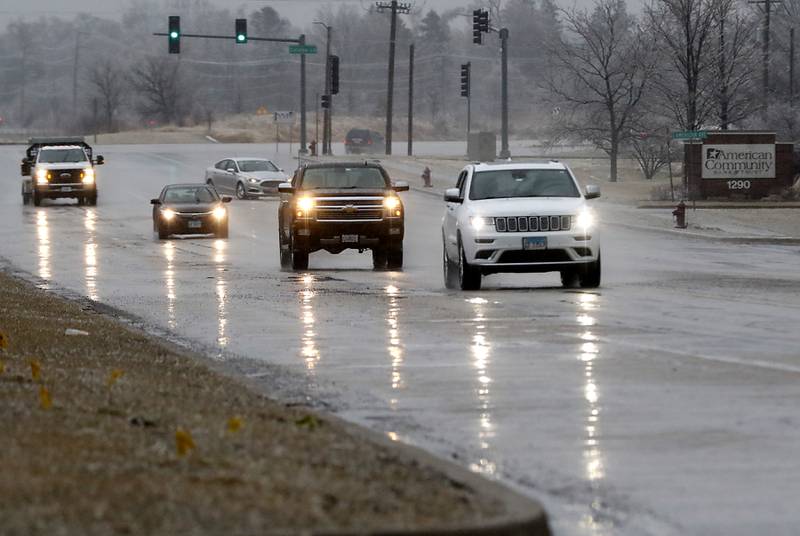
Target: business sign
{"x": 283, "y": 117}
{"x": 738, "y": 161}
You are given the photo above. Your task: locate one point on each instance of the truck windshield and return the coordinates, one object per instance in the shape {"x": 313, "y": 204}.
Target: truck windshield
{"x": 54, "y": 156}
{"x": 248, "y": 166}
{"x": 522, "y": 183}
{"x": 339, "y": 178}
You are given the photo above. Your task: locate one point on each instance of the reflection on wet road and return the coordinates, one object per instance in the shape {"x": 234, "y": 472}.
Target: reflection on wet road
{"x": 647, "y": 407}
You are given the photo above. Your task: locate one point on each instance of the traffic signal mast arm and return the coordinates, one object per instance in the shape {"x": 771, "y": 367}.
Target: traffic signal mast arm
{"x": 228, "y": 37}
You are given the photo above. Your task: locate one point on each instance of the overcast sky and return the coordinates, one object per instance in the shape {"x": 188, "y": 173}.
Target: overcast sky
{"x": 299, "y": 11}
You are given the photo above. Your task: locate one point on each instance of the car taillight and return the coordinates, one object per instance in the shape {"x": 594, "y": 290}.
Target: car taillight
{"x": 369, "y": 142}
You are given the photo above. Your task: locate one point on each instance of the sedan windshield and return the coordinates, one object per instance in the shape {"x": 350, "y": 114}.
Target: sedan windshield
{"x": 53, "y": 156}
{"x": 343, "y": 178}
{"x": 522, "y": 183}
{"x": 248, "y": 166}
{"x": 189, "y": 195}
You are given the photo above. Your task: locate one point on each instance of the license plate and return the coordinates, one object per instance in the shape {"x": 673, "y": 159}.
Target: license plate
{"x": 66, "y": 188}
{"x": 534, "y": 242}
{"x": 195, "y": 224}
{"x": 350, "y": 238}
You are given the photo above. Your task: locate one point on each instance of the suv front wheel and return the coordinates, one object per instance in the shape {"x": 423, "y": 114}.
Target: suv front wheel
{"x": 469, "y": 277}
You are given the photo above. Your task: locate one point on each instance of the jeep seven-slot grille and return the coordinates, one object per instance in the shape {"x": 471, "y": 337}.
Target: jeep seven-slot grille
{"x": 526, "y": 224}
{"x": 350, "y": 210}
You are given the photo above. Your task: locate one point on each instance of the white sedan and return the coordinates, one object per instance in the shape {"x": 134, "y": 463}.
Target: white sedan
{"x": 246, "y": 177}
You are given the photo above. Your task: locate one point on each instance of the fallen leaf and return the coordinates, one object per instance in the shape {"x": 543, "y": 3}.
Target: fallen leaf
{"x": 235, "y": 424}
{"x": 183, "y": 442}
{"x": 309, "y": 421}
{"x": 45, "y": 401}
{"x": 36, "y": 370}
{"x": 115, "y": 375}
{"x": 72, "y": 332}
{"x": 3, "y": 341}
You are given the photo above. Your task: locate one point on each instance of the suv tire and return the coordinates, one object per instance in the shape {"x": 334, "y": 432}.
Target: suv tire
{"x": 590, "y": 276}
{"x": 394, "y": 257}
{"x": 569, "y": 278}
{"x": 299, "y": 260}
{"x": 379, "y": 258}
{"x": 469, "y": 277}
{"x": 449, "y": 269}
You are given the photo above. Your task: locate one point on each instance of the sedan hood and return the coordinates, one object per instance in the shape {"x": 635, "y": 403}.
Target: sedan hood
{"x": 193, "y": 208}
{"x": 528, "y": 206}
{"x": 267, "y": 175}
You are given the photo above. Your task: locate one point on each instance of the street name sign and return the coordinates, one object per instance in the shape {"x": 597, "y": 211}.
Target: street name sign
{"x": 690, "y": 135}
{"x": 283, "y": 117}
{"x": 302, "y": 49}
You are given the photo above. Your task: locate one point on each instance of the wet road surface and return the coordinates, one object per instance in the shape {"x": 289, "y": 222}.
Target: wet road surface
{"x": 665, "y": 402}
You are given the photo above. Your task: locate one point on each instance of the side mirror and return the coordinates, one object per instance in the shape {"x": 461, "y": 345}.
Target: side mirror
{"x": 286, "y": 188}
{"x": 453, "y": 195}
{"x": 100, "y": 160}
{"x": 155, "y": 201}
{"x": 400, "y": 186}
{"x": 226, "y": 199}
{"x": 231, "y": 170}
{"x": 592, "y": 191}
{"x": 280, "y": 169}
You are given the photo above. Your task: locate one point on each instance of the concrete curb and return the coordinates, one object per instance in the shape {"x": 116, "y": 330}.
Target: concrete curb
{"x": 523, "y": 516}
{"x": 721, "y": 204}
{"x": 767, "y": 240}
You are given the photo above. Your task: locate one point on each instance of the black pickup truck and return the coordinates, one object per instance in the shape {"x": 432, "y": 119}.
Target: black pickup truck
{"x": 338, "y": 206}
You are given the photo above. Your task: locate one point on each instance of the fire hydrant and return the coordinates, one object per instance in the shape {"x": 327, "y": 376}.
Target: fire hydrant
{"x": 426, "y": 177}
{"x": 680, "y": 215}
{"x": 313, "y": 147}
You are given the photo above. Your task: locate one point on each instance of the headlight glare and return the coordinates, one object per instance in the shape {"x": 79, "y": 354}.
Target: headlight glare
{"x": 87, "y": 176}
{"x": 481, "y": 222}
{"x": 41, "y": 176}
{"x": 219, "y": 213}
{"x": 252, "y": 180}
{"x": 584, "y": 220}
{"x": 306, "y": 204}
{"x": 391, "y": 202}
{"x": 168, "y": 214}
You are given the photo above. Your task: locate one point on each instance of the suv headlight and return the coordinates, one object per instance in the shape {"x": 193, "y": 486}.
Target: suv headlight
{"x": 584, "y": 220}
{"x": 41, "y": 176}
{"x": 87, "y": 176}
{"x": 481, "y": 222}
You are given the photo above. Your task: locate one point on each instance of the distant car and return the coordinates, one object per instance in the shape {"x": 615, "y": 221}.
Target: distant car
{"x": 190, "y": 209}
{"x": 246, "y": 177}
{"x": 341, "y": 205}
{"x": 360, "y": 141}
{"x": 521, "y": 217}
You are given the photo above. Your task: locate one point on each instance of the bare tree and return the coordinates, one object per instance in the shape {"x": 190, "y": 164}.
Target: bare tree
{"x": 735, "y": 65}
{"x": 108, "y": 83}
{"x": 601, "y": 74}
{"x": 685, "y": 29}
{"x": 158, "y": 82}
{"x": 651, "y": 150}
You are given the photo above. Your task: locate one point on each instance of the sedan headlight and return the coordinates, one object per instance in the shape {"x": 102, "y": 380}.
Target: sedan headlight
{"x": 87, "y": 176}
{"x": 252, "y": 180}
{"x": 168, "y": 214}
{"x": 41, "y": 176}
{"x": 584, "y": 220}
{"x": 219, "y": 213}
{"x": 481, "y": 222}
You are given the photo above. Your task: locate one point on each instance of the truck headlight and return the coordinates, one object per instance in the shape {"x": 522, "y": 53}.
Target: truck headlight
{"x": 584, "y": 220}
{"x": 304, "y": 206}
{"x": 168, "y": 214}
{"x": 41, "y": 176}
{"x": 219, "y": 213}
{"x": 391, "y": 202}
{"x": 481, "y": 222}
{"x": 87, "y": 176}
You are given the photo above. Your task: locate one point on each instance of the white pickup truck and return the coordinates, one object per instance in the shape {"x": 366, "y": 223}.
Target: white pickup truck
{"x": 59, "y": 167}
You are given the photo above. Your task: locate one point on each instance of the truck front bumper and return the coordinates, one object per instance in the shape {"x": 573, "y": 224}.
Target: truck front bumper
{"x": 311, "y": 235}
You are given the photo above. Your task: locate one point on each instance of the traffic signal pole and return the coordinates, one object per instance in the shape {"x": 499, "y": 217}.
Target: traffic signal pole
{"x": 504, "y": 152}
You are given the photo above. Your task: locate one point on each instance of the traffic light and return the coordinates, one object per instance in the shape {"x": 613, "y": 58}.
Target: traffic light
{"x": 334, "y": 75}
{"x": 465, "y": 75}
{"x": 174, "y": 34}
{"x": 477, "y": 36}
{"x": 241, "y": 31}
{"x": 484, "y": 21}
{"x": 326, "y": 101}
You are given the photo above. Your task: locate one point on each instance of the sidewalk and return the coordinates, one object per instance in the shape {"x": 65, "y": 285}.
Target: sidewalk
{"x": 109, "y": 430}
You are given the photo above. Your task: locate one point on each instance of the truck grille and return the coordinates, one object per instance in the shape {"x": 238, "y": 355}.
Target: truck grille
{"x": 349, "y": 210}
{"x": 65, "y": 176}
{"x": 532, "y": 224}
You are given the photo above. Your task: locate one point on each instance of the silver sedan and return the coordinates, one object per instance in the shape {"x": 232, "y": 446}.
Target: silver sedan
{"x": 246, "y": 177}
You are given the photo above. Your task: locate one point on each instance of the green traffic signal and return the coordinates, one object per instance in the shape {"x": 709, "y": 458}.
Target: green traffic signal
{"x": 241, "y": 31}
{"x": 173, "y": 35}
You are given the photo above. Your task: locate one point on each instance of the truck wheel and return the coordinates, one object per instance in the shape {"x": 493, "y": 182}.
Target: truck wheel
{"x": 590, "y": 276}
{"x": 394, "y": 259}
{"x": 299, "y": 260}
{"x": 81, "y": 201}
{"x": 92, "y": 200}
{"x": 26, "y": 199}
{"x": 37, "y": 200}
{"x": 285, "y": 249}
{"x": 469, "y": 277}
{"x": 379, "y": 258}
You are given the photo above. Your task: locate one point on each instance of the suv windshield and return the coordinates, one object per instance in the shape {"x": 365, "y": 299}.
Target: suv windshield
{"x": 53, "y": 156}
{"x": 357, "y": 133}
{"x": 339, "y": 178}
{"x": 189, "y": 195}
{"x": 522, "y": 183}
{"x": 256, "y": 165}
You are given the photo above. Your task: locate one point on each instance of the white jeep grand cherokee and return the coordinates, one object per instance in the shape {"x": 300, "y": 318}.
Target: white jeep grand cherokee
{"x": 520, "y": 217}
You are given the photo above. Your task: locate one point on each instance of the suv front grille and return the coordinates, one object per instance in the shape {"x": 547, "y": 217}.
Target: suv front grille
{"x": 526, "y": 256}
{"x": 533, "y": 224}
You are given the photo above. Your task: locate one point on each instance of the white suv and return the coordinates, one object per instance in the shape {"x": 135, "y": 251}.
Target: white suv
{"x": 520, "y": 217}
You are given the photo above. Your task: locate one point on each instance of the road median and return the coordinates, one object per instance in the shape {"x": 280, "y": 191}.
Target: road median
{"x": 109, "y": 430}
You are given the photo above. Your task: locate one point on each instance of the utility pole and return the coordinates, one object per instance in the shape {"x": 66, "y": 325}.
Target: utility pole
{"x": 504, "y": 152}
{"x": 303, "y": 149}
{"x": 75, "y": 78}
{"x": 765, "y": 46}
{"x": 326, "y": 113}
{"x": 410, "y": 99}
{"x": 396, "y": 8}
{"x": 791, "y": 68}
